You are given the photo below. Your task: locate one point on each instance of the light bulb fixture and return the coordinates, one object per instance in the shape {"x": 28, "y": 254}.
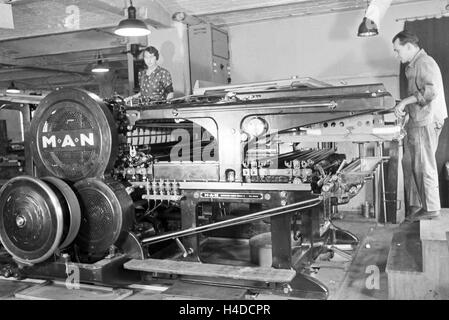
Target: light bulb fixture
{"x": 12, "y": 88}
{"x": 367, "y": 28}
{"x": 132, "y": 27}
{"x": 375, "y": 11}
{"x": 101, "y": 66}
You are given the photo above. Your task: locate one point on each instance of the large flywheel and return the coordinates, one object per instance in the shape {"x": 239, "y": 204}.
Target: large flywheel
{"x": 31, "y": 219}
{"x": 37, "y": 217}
{"x": 73, "y": 135}
{"x": 107, "y": 214}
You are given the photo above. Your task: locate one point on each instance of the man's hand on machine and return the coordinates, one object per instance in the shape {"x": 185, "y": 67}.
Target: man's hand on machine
{"x": 399, "y": 110}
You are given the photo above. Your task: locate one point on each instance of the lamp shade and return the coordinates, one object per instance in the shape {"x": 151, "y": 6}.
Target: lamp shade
{"x": 132, "y": 27}
{"x": 374, "y": 13}
{"x": 101, "y": 67}
{"x": 367, "y": 28}
{"x": 12, "y": 88}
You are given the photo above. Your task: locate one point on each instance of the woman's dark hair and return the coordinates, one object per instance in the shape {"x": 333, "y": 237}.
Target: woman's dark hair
{"x": 406, "y": 37}
{"x": 152, "y": 50}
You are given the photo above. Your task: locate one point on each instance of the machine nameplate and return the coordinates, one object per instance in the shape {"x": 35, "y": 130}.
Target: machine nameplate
{"x": 68, "y": 139}
{"x": 227, "y": 195}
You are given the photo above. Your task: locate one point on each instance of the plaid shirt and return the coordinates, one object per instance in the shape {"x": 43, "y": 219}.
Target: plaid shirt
{"x": 157, "y": 85}
{"x": 424, "y": 81}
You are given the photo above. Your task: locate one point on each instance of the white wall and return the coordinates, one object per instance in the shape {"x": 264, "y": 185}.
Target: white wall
{"x": 325, "y": 47}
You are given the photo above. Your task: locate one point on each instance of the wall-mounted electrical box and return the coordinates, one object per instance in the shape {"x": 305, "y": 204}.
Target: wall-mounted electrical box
{"x": 209, "y": 54}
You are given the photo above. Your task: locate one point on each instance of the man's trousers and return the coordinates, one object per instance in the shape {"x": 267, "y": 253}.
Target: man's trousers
{"x": 420, "y": 167}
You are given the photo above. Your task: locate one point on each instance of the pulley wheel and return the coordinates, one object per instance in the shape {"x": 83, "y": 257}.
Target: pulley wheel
{"x": 132, "y": 247}
{"x": 107, "y": 212}
{"x": 73, "y": 135}
{"x": 31, "y": 219}
{"x": 71, "y": 209}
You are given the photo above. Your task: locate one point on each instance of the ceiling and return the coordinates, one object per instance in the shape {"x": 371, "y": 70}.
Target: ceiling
{"x": 55, "y": 42}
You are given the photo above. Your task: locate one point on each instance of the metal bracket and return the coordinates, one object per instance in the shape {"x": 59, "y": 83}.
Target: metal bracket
{"x": 185, "y": 252}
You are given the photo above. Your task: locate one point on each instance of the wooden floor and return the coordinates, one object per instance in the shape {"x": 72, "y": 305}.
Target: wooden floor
{"x": 347, "y": 280}
{"x": 369, "y": 261}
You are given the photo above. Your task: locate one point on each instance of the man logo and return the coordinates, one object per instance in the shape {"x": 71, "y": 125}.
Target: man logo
{"x": 65, "y": 140}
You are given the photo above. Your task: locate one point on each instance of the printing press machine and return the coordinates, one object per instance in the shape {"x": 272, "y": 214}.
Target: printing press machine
{"x": 135, "y": 193}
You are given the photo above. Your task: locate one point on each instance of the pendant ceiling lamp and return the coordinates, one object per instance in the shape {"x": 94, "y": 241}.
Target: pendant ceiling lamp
{"x": 374, "y": 13}
{"x": 132, "y": 27}
{"x": 101, "y": 66}
{"x": 12, "y": 88}
{"x": 367, "y": 28}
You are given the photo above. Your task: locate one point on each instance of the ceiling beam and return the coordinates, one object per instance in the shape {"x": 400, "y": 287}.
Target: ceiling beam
{"x": 33, "y": 18}
{"x": 13, "y": 62}
{"x": 230, "y": 17}
{"x": 10, "y": 69}
{"x": 50, "y": 82}
{"x": 236, "y": 7}
{"x": 105, "y": 6}
{"x": 25, "y": 74}
{"x": 61, "y": 43}
{"x": 85, "y": 54}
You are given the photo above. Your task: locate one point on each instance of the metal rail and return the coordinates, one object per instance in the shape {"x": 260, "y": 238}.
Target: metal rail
{"x": 235, "y": 221}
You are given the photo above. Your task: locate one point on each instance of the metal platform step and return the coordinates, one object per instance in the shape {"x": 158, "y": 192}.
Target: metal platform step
{"x": 186, "y": 268}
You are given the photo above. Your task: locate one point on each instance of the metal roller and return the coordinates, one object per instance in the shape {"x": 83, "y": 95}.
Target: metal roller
{"x": 107, "y": 213}
{"x": 31, "y": 219}
{"x": 71, "y": 212}
{"x": 73, "y": 135}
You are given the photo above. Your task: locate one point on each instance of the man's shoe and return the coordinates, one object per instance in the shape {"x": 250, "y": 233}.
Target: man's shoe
{"x": 413, "y": 212}
{"x": 425, "y": 215}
